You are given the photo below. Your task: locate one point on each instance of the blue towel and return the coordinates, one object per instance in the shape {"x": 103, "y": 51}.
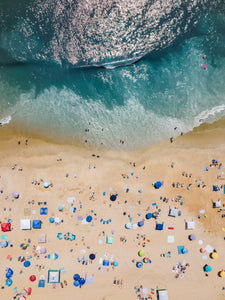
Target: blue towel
{"x": 41, "y": 284}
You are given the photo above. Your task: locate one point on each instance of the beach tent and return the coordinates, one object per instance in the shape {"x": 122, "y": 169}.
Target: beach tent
{"x": 25, "y": 224}
{"x": 159, "y": 226}
{"x": 53, "y": 276}
{"x": 109, "y": 240}
{"x": 217, "y": 204}
{"x": 43, "y": 211}
{"x": 162, "y": 295}
{"x": 173, "y": 212}
{"x": 190, "y": 224}
{"x": 89, "y": 279}
{"x": 42, "y": 238}
{"x": 158, "y": 184}
{"x": 5, "y": 227}
{"x": 105, "y": 263}
{"x": 215, "y": 188}
{"x": 36, "y": 224}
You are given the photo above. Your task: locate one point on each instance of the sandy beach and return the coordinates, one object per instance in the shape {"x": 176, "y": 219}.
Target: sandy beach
{"x": 81, "y": 183}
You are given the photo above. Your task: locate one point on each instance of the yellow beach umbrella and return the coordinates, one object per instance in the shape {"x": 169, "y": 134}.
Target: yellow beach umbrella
{"x": 214, "y": 255}
{"x": 222, "y": 273}
{"x": 141, "y": 253}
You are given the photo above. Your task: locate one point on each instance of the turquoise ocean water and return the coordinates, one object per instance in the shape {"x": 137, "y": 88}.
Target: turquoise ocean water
{"x": 106, "y": 71}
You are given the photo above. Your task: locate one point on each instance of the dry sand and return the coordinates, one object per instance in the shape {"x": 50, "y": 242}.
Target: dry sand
{"x": 94, "y": 176}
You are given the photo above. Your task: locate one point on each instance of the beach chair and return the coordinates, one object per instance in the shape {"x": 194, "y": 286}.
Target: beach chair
{"x": 190, "y": 225}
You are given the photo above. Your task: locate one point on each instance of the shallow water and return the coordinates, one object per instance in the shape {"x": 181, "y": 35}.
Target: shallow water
{"x": 113, "y": 71}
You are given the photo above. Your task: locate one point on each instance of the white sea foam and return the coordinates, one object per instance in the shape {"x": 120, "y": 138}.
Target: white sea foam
{"x": 210, "y": 115}
{"x": 5, "y": 120}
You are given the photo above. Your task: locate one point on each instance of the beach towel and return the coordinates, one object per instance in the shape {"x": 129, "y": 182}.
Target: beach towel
{"x": 41, "y": 283}
{"x": 209, "y": 248}
{"x": 170, "y": 238}
{"x": 180, "y": 249}
{"x": 109, "y": 240}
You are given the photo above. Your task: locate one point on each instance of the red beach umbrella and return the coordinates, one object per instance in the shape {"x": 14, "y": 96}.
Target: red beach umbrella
{"x": 32, "y": 278}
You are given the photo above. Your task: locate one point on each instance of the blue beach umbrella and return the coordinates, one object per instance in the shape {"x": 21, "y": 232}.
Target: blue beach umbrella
{"x": 89, "y": 219}
{"x": 26, "y": 263}
{"x": 141, "y": 223}
{"x": 207, "y": 268}
{"x": 113, "y": 197}
{"x": 148, "y": 216}
{"x": 115, "y": 264}
{"x": 76, "y": 277}
{"x": 9, "y": 282}
{"x": 92, "y": 256}
{"x": 9, "y": 273}
{"x": 185, "y": 250}
{"x": 139, "y": 264}
{"x": 82, "y": 281}
{"x": 158, "y": 184}
{"x": 76, "y": 283}
{"x": 51, "y": 220}
{"x": 46, "y": 184}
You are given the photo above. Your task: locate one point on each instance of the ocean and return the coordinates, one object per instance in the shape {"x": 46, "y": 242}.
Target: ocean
{"x": 121, "y": 75}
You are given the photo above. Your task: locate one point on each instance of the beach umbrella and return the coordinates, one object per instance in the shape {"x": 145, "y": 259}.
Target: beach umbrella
{"x": 207, "y": 268}
{"x": 43, "y": 250}
{"x": 113, "y": 197}
{"x": 89, "y": 219}
{"x": 202, "y": 250}
{"x": 51, "y": 220}
{"x": 26, "y": 264}
{"x": 128, "y": 226}
{"x": 9, "y": 282}
{"x": 23, "y": 246}
{"x": 139, "y": 264}
{"x": 32, "y": 278}
{"x": 148, "y": 216}
{"x": 141, "y": 223}
{"x": 60, "y": 207}
{"x": 146, "y": 260}
{"x": 57, "y": 220}
{"x": 185, "y": 250}
{"x": 158, "y": 184}
{"x": 76, "y": 283}
{"x": 9, "y": 273}
{"x": 192, "y": 237}
{"x": 222, "y": 273}
{"x": 76, "y": 277}
{"x": 115, "y": 264}
{"x": 4, "y": 244}
{"x": 141, "y": 253}
{"x": 55, "y": 256}
{"x": 79, "y": 258}
{"x": 214, "y": 255}
{"x": 82, "y": 281}
{"x": 46, "y": 184}
{"x": 15, "y": 195}
{"x": 92, "y": 256}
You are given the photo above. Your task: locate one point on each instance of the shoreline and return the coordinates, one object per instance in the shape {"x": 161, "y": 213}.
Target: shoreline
{"x": 89, "y": 177}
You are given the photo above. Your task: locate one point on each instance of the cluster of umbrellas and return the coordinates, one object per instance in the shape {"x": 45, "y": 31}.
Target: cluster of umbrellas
{"x": 146, "y": 260}
{"x": 8, "y": 276}
{"x": 78, "y": 281}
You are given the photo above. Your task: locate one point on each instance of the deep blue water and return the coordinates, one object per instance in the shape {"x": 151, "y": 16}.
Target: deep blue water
{"x": 105, "y": 71}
